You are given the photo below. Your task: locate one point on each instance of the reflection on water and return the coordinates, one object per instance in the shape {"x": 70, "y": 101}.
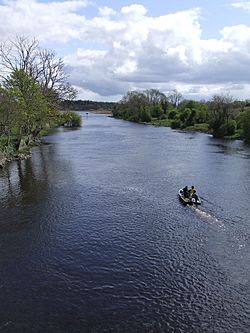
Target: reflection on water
{"x": 235, "y": 148}
{"x": 24, "y": 180}
{"x": 93, "y": 237}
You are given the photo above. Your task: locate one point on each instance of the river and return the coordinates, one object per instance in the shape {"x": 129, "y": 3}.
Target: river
{"x": 94, "y": 239}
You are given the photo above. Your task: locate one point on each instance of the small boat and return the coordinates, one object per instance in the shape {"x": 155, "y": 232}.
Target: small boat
{"x": 188, "y": 201}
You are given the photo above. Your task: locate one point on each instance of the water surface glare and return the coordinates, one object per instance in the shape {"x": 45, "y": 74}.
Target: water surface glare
{"x": 94, "y": 239}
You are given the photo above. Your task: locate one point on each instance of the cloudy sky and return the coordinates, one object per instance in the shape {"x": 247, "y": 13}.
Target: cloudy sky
{"x": 199, "y": 47}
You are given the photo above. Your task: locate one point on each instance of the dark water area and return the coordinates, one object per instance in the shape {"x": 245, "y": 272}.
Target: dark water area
{"x": 94, "y": 239}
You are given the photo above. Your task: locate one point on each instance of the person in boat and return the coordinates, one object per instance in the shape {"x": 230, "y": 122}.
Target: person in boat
{"x": 185, "y": 192}
{"x": 192, "y": 191}
{"x": 195, "y": 196}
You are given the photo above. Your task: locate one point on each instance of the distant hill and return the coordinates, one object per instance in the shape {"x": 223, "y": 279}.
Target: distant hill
{"x": 87, "y": 105}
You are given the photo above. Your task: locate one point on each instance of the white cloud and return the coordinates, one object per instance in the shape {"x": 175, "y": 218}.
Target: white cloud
{"x": 106, "y": 11}
{"x": 85, "y": 57}
{"x": 238, "y": 35}
{"x": 134, "y": 11}
{"x": 48, "y": 21}
{"x": 138, "y": 50}
{"x": 129, "y": 66}
{"x": 242, "y": 5}
{"x": 168, "y": 50}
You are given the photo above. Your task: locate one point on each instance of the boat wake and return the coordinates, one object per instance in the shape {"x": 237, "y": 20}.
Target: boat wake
{"x": 206, "y": 216}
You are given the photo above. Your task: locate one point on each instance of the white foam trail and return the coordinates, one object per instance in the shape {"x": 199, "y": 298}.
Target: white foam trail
{"x": 206, "y": 216}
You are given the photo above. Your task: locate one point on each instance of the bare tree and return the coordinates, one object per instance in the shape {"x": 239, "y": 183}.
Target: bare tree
{"x": 39, "y": 63}
{"x": 155, "y": 96}
{"x": 20, "y": 53}
{"x": 175, "y": 97}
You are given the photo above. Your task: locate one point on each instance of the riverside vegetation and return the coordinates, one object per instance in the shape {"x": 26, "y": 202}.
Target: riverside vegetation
{"x": 221, "y": 116}
{"x": 32, "y": 87}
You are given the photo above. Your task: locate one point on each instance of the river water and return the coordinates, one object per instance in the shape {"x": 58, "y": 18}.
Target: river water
{"x": 94, "y": 239}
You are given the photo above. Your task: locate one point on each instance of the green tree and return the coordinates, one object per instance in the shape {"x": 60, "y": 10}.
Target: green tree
{"x": 185, "y": 115}
{"x": 71, "y": 119}
{"x": 246, "y": 125}
{"x": 156, "y": 110}
{"x": 132, "y": 105}
{"x": 240, "y": 118}
{"x": 31, "y": 109}
{"x": 221, "y": 110}
{"x": 145, "y": 116}
{"x": 202, "y": 114}
{"x": 8, "y": 117}
{"x": 172, "y": 113}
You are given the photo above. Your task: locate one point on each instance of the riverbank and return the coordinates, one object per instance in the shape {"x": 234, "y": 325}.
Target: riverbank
{"x": 101, "y": 111}
{"x": 9, "y": 153}
{"x": 4, "y": 160}
{"x": 201, "y": 128}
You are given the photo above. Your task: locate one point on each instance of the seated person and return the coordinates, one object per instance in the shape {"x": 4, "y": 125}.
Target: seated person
{"x": 192, "y": 191}
{"x": 195, "y": 196}
{"x": 185, "y": 192}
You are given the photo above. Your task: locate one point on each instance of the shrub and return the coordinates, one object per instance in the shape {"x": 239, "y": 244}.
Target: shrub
{"x": 184, "y": 115}
{"x": 145, "y": 116}
{"x": 226, "y": 129}
{"x": 163, "y": 116}
{"x": 172, "y": 114}
{"x": 231, "y": 127}
{"x": 246, "y": 126}
{"x": 221, "y": 131}
{"x": 134, "y": 118}
{"x": 176, "y": 124}
{"x": 71, "y": 119}
{"x": 240, "y": 119}
{"x": 156, "y": 111}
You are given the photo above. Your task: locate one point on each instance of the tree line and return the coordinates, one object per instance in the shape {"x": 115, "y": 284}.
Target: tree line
{"x": 221, "y": 116}
{"x": 33, "y": 84}
{"x": 87, "y": 105}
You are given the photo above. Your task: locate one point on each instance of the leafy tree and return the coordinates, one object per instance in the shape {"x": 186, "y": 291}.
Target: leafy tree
{"x": 240, "y": 118}
{"x": 172, "y": 114}
{"x": 198, "y": 109}
{"x": 145, "y": 116}
{"x": 231, "y": 127}
{"x": 184, "y": 115}
{"x": 71, "y": 119}
{"x": 221, "y": 110}
{"x": 246, "y": 125}
{"x": 26, "y": 98}
{"x": 132, "y": 105}
{"x": 8, "y": 116}
{"x": 33, "y": 82}
{"x": 202, "y": 114}
{"x": 156, "y": 111}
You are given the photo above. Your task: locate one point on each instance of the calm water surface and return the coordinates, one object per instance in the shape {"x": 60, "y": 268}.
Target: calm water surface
{"x": 94, "y": 239}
